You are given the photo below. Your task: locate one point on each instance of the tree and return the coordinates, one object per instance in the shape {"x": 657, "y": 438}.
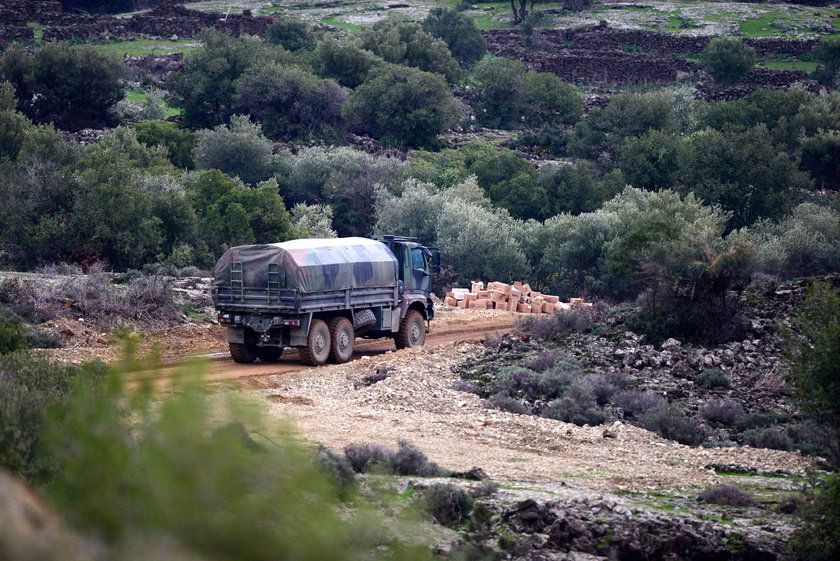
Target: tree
{"x": 820, "y": 156}
{"x": 344, "y": 61}
{"x": 289, "y": 102}
{"x": 402, "y": 106}
{"x": 650, "y": 161}
{"x": 548, "y": 99}
{"x": 728, "y": 59}
{"x": 179, "y": 142}
{"x": 70, "y": 87}
{"x": 465, "y": 41}
{"x": 230, "y": 213}
{"x": 572, "y": 189}
{"x": 291, "y": 34}
{"x": 496, "y": 86}
{"x": 239, "y": 150}
{"x": 206, "y": 87}
{"x": 314, "y": 220}
{"x": 742, "y": 171}
{"x": 827, "y": 55}
{"x": 13, "y": 125}
{"x": 407, "y": 44}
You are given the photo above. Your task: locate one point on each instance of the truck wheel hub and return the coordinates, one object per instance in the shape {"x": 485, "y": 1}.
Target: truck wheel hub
{"x": 319, "y": 343}
{"x": 343, "y": 340}
{"x": 415, "y": 333}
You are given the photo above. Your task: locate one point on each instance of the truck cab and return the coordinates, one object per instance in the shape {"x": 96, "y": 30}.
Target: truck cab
{"x": 416, "y": 265}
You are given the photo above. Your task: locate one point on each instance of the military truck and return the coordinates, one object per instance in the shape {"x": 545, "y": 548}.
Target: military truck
{"x": 319, "y": 295}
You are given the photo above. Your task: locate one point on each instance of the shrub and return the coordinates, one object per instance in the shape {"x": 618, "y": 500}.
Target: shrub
{"x": 557, "y": 326}
{"x": 820, "y": 156}
{"x": 407, "y": 44}
{"x": 773, "y": 437}
{"x": 726, "y": 495}
{"x": 344, "y": 61}
{"x": 577, "y": 406}
{"x": 179, "y": 142}
{"x": 630, "y": 114}
{"x": 650, "y": 161}
{"x": 206, "y": 87}
{"x": 410, "y": 460}
{"x": 719, "y": 167}
{"x": 814, "y": 354}
{"x": 29, "y": 386}
{"x": 818, "y": 540}
{"x": 316, "y": 220}
{"x": 291, "y": 34}
{"x": 668, "y": 421}
{"x": 510, "y": 404}
{"x": 634, "y": 403}
{"x": 402, "y": 106}
{"x": 290, "y": 102}
{"x": 239, "y": 150}
{"x": 448, "y": 504}
{"x": 465, "y": 41}
{"x": 548, "y": 99}
{"x": 571, "y": 189}
{"x": 12, "y": 335}
{"x": 186, "y": 466}
{"x": 53, "y": 84}
{"x": 496, "y": 86}
{"x": 337, "y": 467}
{"x": 728, "y": 59}
{"x": 517, "y": 381}
{"x": 543, "y": 360}
{"x": 827, "y": 54}
{"x": 712, "y": 378}
{"x": 723, "y": 411}
{"x": 366, "y": 457}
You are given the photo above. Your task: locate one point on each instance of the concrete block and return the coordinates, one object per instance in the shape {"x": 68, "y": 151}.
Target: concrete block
{"x": 450, "y": 301}
{"x": 551, "y": 299}
{"x": 524, "y": 308}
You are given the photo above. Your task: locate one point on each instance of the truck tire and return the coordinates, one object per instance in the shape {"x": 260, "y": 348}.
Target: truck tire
{"x": 412, "y": 332}
{"x": 342, "y": 336}
{"x": 317, "y": 349}
{"x": 243, "y": 352}
{"x": 270, "y": 354}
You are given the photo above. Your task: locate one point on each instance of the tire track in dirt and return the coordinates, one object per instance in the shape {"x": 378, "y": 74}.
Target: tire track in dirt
{"x": 223, "y": 369}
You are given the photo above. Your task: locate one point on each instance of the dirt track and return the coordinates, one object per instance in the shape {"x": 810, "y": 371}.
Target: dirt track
{"x": 451, "y": 330}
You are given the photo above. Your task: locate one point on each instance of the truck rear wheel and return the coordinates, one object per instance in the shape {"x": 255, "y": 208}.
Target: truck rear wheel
{"x": 317, "y": 349}
{"x": 412, "y": 332}
{"x": 243, "y": 352}
{"x": 342, "y": 336}
{"x": 270, "y": 354}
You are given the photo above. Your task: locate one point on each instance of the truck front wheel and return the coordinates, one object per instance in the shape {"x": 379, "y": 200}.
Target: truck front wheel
{"x": 342, "y": 336}
{"x": 412, "y": 331}
{"x": 243, "y": 353}
{"x": 317, "y": 349}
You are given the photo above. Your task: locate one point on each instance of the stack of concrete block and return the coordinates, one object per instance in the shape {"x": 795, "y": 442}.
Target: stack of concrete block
{"x": 517, "y": 297}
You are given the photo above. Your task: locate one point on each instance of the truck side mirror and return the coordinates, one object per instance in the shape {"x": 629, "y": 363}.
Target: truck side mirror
{"x": 435, "y": 260}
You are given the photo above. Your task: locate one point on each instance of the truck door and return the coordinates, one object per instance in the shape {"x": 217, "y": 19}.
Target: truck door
{"x": 420, "y": 277}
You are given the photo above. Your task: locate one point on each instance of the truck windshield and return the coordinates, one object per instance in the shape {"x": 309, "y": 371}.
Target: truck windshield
{"x": 418, "y": 259}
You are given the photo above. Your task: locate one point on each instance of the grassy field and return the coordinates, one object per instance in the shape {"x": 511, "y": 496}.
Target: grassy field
{"x": 141, "y": 47}
{"x": 139, "y": 97}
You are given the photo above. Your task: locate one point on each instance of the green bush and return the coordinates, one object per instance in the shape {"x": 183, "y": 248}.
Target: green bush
{"x": 12, "y": 335}
{"x": 30, "y": 385}
{"x": 669, "y": 421}
{"x": 315, "y": 220}
{"x": 827, "y": 55}
{"x": 200, "y": 475}
{"x": 407, "y": 44}
{"x": 206, "y": 87}
{"x": 728, "y": 59}
{"x": 820, "y": 156}
{"x": 179, "y": 142}
{"x": 239, "y": 150}
{"x": 743, "y": 172}
{"x": 814, "y": 354}
{"x": 344, "y": 61}
{"x": 712, "y": 378}
{"x": 290, "y": 102}
{"x": 818, "y": 540}
{"x": 293, "y": 35}
{"x": 650, "y": 161}
{"x": 402, "y": 106}
{"x": 549, "y": 100}
{"x": 53, "y": 84}
{"x": 448, "y": 504}
{"x": 496, "y": 86}
{"x": 465, "y": 41}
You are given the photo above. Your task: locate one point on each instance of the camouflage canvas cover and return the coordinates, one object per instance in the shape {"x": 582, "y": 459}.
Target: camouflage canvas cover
{"x": 312, "y": 265}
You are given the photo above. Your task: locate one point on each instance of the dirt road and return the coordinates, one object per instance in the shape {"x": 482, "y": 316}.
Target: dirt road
{"x": 450, "y": 330}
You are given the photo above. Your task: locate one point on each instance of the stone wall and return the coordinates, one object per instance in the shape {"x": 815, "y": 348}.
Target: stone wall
{"x": 603, "y": 37}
